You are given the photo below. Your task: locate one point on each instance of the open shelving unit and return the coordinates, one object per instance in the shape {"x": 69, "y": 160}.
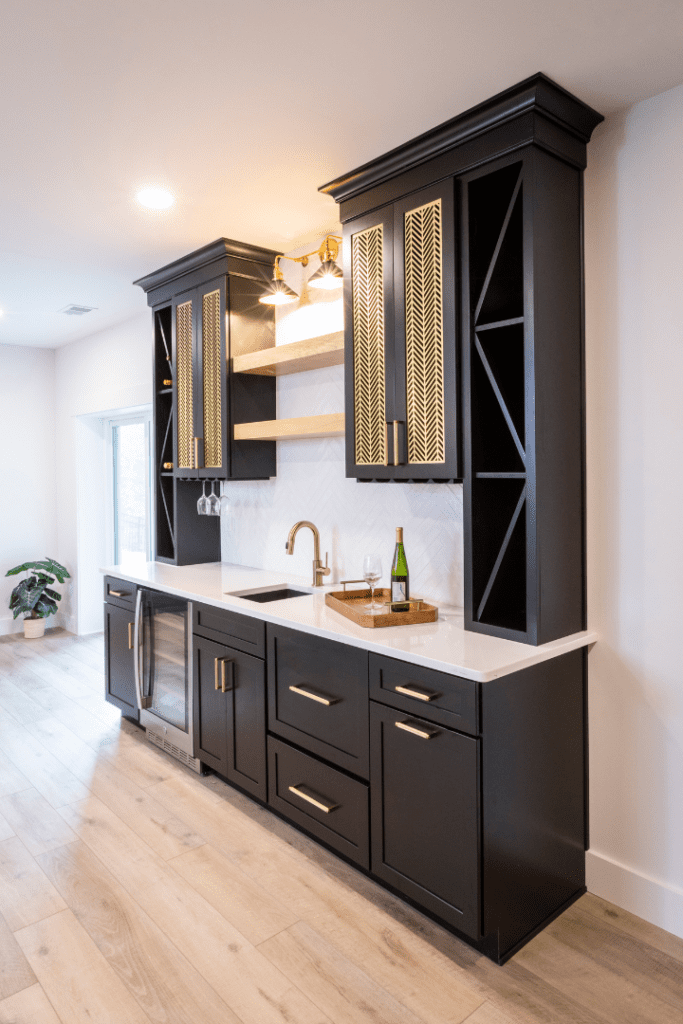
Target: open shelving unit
{"x": 296, "y": 357}
{"x": 165, "y": 510}
{"x": 497, "y": 380}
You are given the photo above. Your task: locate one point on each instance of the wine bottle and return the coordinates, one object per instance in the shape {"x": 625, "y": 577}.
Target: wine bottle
{"x": 400, "y": 588}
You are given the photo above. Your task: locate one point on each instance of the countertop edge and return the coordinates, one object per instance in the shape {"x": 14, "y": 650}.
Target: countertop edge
{"x": 536, "y": 655}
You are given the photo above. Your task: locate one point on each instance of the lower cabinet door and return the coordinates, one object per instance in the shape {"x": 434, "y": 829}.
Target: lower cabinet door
{"x": 119, "y": 659}
{"x": 230, "y": 714}
{"x": 424, "y": 796}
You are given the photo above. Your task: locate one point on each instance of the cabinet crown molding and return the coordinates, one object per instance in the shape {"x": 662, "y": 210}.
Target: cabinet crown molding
{"x": 206, "y": 257}
{"x": 537, "y": 94}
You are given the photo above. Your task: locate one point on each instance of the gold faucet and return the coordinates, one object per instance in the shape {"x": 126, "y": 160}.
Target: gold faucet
{"x": 319, "y": 570}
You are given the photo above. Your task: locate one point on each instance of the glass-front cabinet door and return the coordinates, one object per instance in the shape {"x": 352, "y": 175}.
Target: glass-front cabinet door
{"x": 200, "y": 357}
{"x": 402, "y": 421}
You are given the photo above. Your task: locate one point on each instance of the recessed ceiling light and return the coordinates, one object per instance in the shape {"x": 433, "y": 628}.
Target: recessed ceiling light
{"x": 155, "y": 198}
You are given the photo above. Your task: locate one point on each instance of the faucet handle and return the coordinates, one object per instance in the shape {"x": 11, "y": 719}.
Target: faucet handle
{"x": 326, "y": 570}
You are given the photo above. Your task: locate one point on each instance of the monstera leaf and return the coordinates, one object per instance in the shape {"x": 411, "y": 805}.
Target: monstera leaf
{"x": 47, "y": 565}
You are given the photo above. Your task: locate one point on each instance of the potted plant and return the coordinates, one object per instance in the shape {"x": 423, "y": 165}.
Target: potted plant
{"x": 34, "y": 597}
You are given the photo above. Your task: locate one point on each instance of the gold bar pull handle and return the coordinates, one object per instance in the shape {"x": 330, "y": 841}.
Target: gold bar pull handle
{"x": 327, "y": 701}
{"x": 386, "y": 444}
{"x": 130, "y": 636}
{"x": 425, "y": 695}
{"x": 219, "y": 674}
{"x": 320, "y": 804}
{"x": 396, "y": 462}
{"x": 120, "y": 593}
{"x": 424, "y": 734}
{"x": 195, "y": 441}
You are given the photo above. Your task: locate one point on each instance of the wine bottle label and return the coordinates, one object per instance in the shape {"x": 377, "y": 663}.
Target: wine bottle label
{"x": 399, "y": 590}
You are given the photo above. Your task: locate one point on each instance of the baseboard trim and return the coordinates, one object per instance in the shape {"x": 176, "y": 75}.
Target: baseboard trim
{"x": 9, "y": 625}
{"x": 650, "y": 898}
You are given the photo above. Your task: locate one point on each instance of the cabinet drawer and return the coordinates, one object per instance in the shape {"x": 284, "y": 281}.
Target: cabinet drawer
{"x": 449, "y": 700}
{"x": 321, "y": 799}
{"x": 120, "y": 592}
{"x": 225, "y": 627}
{"x": 318, "y": 696}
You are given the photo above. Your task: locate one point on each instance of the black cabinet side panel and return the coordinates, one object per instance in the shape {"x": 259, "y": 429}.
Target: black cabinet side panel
{"x": 559, "y": 396}
{"x": 533, "y": 795}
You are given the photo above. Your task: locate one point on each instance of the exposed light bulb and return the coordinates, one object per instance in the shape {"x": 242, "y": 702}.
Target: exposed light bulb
{"x": 155, "y": 198}
{"x": 327, "y": 283}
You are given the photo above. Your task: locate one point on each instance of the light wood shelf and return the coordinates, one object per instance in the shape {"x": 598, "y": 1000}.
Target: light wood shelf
{"x": 309, "y": 354}
{"x": 329, "y": 425}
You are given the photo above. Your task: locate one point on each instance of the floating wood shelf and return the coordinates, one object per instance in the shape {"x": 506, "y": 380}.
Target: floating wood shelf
{"x": 330, "y": 425}
{"x": 310, "y": 354}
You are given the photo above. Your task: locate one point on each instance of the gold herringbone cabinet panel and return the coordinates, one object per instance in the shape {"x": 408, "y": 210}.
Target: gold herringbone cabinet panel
{"x": 367, "y": 280}
{"x": 183, "y": 315}
{"x": 424, "y": 335}
{"x": 211, "y": 362}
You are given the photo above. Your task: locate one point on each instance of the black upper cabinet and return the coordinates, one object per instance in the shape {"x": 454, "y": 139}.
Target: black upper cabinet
{"x": 514, "y": 167}
{"x": 401, "y": 358}
{"x": 206, "y": 311}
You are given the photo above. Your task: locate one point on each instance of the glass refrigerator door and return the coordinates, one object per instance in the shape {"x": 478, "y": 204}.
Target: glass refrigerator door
{"x": 166, "y": 683}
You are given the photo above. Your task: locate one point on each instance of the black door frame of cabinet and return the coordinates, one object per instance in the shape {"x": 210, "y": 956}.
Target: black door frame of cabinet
{"x": 392, "y": 220}
{"x": 450, "y": 761}
{"x": 196, "y": 296}
{"x": 230, "y": 714}
{"x": 119, "y": 664}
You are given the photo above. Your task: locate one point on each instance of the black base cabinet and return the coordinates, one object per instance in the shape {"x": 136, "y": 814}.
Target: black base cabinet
{"x": 424, "y": 782}
{"x": 468, "y": 800}
{"x": 119, "y": 663}
{"x": 230, "y": 711}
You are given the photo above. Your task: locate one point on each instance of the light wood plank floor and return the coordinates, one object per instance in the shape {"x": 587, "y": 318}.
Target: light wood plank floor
{"x": 132, "y": 891}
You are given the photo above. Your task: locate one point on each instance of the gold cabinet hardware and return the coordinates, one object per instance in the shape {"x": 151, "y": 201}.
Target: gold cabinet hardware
{"x": 418, "y": 694}
{"x": 314, "y": 696}
{"x": 386, "y": 445}
{"x": 220, "y": 673}
{"x": 326, "y": 807}
{"x": 130, "y": 636}
{"x": 168, "y": 465}
{"x": 119, "y": 593}
{"x": 424, "y": 734}
{"x": 196, "y": 452}
{"x": 167, "y": 383}
{"x": 396, "y": 462}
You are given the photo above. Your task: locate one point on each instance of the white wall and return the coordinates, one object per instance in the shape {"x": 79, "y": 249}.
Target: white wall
{"x": 100, "y": 374}
{"x": 27, "y": 465}
{"x": 353, "y": 519}
{"x": 634, "y": 285}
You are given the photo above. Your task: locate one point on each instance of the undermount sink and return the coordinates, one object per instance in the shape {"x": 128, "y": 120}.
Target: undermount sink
{"x": 278, "y": 593}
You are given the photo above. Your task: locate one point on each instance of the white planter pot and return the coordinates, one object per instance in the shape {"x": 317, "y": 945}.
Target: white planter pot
{"x": 33, "y": 628}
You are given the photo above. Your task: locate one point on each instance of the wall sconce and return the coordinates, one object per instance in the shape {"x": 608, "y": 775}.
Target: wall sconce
{"x": 329, "y": 275}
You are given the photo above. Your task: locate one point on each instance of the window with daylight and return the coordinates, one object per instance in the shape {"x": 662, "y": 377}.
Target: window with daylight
{"x": 130, "y": 468}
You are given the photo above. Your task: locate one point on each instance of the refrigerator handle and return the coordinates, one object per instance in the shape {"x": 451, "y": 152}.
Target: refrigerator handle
{"x": 143, "y": 702}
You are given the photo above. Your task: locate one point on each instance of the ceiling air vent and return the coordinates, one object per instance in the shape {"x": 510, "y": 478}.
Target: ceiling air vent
{"x": 76, "y": 310}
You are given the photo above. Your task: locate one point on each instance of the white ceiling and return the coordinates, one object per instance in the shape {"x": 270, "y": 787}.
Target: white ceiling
{"x": 242, "y": 109}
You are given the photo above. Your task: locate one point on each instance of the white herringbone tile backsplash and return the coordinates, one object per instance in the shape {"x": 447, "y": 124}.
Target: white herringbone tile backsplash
{"x": 353, "y": 519}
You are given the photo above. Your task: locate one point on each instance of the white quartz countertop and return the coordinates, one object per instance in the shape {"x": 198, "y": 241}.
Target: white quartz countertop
{"x": 444, "y": 645}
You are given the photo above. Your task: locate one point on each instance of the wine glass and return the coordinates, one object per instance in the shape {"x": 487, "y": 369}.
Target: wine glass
{"x": 202, "y": 504}
{"x": 214, "y": 502}
{"x": 372, "y": 574}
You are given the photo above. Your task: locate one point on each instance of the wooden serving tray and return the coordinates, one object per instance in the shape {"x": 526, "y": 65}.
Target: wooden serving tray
{"x": 350, "y": 603}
